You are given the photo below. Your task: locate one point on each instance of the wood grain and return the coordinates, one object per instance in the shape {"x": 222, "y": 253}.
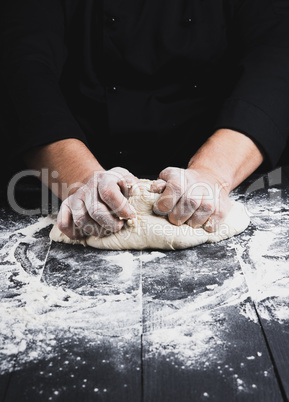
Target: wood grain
{"x": 190, "y": 325}
{"x": 94, "y": 352}
{"x": 198, "y": 343}
{"x": 265, "y": 255}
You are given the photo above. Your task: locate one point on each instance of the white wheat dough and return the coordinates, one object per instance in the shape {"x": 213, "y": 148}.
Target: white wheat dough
{"x": 156, "y": 232}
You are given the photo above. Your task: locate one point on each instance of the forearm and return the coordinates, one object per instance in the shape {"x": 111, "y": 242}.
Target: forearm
{"x": 68, "y": 162}
{"x": 230, "y": 155}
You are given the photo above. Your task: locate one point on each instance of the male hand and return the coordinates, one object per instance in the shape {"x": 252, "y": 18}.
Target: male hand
{"x": 96, "y": 207}
{"x": 193, "y": 196}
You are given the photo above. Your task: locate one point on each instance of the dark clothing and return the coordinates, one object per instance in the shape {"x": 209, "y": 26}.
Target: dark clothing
{"x": 146, "y": 82}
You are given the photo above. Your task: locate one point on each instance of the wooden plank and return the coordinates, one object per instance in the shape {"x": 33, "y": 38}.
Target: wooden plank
{"x": 106, "y": 369}
{"x": 202, "y": 339}
{"x": 87, "y": 323}
{"x": 277, "y": 337}
{"x": 4, "y": 384}
{"x": 264, "y": 257}
{"x": 218, "y": 352}
{"x": 7, "y": 355}
{"x": 14, "y": 237}
{"x": 7, "y": 359}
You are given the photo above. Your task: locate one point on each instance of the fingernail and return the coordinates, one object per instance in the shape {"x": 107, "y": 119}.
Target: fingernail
{"x": 132, "y": 222}
{"x": 208, "y": 225}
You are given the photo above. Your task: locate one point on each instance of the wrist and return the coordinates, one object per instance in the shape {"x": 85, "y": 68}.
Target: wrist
{"x": 218, "y": 178}
{"x": 75, "y": 182}
{"x": 64, "y": 165}
{"x": 229, "y": 156}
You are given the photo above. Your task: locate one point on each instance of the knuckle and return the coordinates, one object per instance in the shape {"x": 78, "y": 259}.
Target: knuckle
{"x": 71, "y": 201}
{"x": 193, "y": 203}
{"x": 91, "y": 196}
{"x": 116, "y": 174}
{"x": 94, "y": 210}
{"x": 101, "y": 217}
{"x": 80, "y": 193}
{"x": 78, "y": 221}
{"x": 165, "y": 173}
{"x": 169, "y": 170}
{"x": 106, "y": 193}
{"x": 95, "y": 215}
{"x": 88, "y": 192}
{"x": 66, "y": 203}
{"x": 206, "y": 208}
{"x": 120, "y": 170}
{"x": 175, "y": 186}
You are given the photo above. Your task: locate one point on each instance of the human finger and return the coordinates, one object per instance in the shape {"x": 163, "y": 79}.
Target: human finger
{"x": 185, "y": 208}
{"x": 65, "y": 223}
{"x": 124, "y": 179}
{"x": 102, "y": 215}
{"x": 158, "y": 186}
{"x": 175, "y": 186}
{"x": 110, "y": 193}
{"x": 202, "y": 214}
{"x": 216, "y": 219}
{"x": 82, "y": 219}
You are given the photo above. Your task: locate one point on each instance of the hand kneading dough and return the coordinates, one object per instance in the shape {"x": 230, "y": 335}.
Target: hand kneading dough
{"x": 156, "y": 232}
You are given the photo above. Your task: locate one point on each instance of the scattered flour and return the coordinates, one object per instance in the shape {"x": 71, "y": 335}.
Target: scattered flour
{"x": 35, "y": 317}
{"x": 264, "y": 258}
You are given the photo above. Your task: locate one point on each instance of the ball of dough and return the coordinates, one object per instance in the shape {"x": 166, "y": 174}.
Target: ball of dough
{"x": 149, "y": 231}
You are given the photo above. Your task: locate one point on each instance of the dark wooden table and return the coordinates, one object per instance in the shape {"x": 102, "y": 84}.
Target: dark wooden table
{"x": 209, "y": 323}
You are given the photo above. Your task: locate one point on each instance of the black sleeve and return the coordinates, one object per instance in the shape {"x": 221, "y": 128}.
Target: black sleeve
{"x": 259, "y": 103}
{"x": 32, "y": 56}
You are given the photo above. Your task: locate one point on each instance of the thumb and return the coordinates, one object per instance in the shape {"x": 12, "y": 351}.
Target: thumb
{"x": 158, "y": 186}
